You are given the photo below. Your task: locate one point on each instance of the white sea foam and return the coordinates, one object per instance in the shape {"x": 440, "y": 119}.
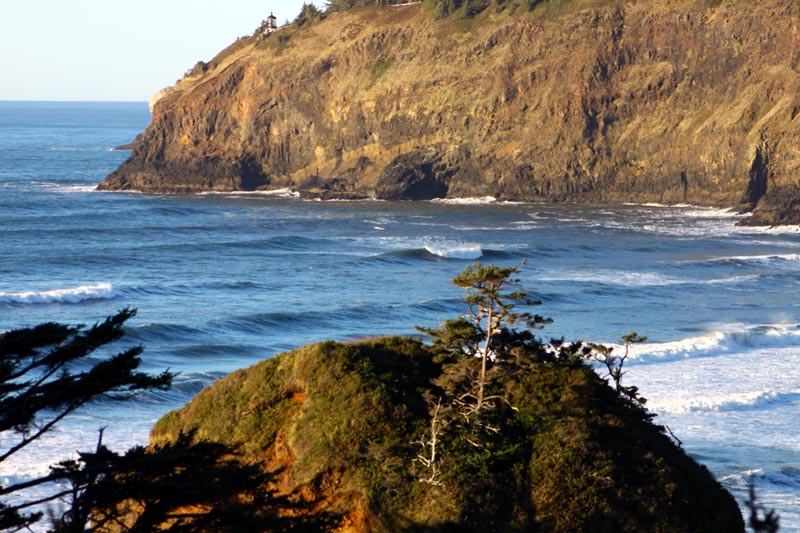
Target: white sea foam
{"x": 757, "y": 259}
{"x": 719, "y": 343}
{"x": 786, "y": 476}
{"x": 459, "y": 251}
{"x": 770, "y": 230}
{"x": 732, "y": 279}
{"x": 615, "y": 277}
{"x": 639, "y": 279}
{"x": 689, "y": 210}
{"x": 56, "y": 187}
{"x": 523, "y": 225}
{"x": 711, "y": 212}
{"x": 281, "y": 193}
{"x": 776, "y": 488}
{"x": 78, "y": 188}
{"x": 75, "y": 149}
{"x": 466, "y": 201}
{"x": 75, "y": 188}
{"x": 676, "y": 221}
{"x": 727, "y": 402}
{"x": 277, "y": 193}
{"x": 780, "y": 257}
{"x": 67, "y": 295}
{"x": 371, "y": 200}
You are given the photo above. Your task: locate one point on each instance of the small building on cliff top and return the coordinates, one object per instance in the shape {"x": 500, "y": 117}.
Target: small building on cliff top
{"x": 271, "y": 24}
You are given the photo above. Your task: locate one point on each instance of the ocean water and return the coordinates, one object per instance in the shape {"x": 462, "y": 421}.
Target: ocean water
{"x": 222, "y": 281}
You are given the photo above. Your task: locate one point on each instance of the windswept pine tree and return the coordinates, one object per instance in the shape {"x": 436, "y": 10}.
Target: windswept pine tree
{"x": 47, "y": 373}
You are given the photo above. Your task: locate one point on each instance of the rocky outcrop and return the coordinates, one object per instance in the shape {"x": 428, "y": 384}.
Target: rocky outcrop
{"x": 688, "y": 101}
{"x": 343, "y": 427}
{"x": 428, "y": 172}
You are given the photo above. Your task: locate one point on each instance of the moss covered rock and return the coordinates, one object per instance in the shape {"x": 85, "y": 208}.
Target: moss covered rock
{"x": 342, "y": 425}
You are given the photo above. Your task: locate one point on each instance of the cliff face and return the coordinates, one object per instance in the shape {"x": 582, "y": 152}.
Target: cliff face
{"x": 341, "y": 426}
{"x": 653, "y": 101}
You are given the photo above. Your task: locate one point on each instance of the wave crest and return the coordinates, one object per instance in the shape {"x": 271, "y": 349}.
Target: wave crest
{"x": 730, "y": 402}
{"x": 785, "y": 476}
{"x": 69, "y": 295}
{"x": 719, "y": 343}
{"x": 276, "y": 193}
{"x": 754, "y": 260}
{"x": 466, "y": 201}
{"x": 459, "y": 251}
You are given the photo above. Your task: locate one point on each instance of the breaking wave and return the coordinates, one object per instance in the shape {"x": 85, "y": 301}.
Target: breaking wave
{"x": 755, "y": 260}
{"x": 466, "y": 201}
{"x": 71, "y": 295}
{"x": 462, "y": 251}
{"x": 615, "y": 278}
{"x": 787, "y": 475}
{"x": 719, "y": 343}
{"x": 71, "y": 189}
{"x": 438, "y": 252}
{"x": 276, "y": 193}
{"x": 743, "y": 401}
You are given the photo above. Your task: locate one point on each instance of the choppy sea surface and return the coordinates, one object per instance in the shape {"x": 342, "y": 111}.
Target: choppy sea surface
{"x": 222, "y": 281}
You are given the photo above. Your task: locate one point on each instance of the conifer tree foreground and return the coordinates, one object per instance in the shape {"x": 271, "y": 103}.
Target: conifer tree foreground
{"x": 49, "y": 371}
{"x": 46, "y": 374}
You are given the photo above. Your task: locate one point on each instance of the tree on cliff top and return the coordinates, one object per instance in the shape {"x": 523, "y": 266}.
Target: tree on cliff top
{"x": 439, "y": 8}
{"x": 343, "y": 5}
{"x": 491, "y": 312}
{"x": 487, "y": 330}
{"x": 308, "y": 13}
{"x": 464, "y": 8}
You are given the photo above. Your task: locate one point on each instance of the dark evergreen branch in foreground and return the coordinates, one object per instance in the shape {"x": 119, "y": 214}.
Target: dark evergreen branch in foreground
{"x": 761, "y": 519}
{"x": 49, "y": 371}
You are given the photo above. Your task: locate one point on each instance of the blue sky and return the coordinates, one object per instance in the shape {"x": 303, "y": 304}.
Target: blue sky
{"x": 93, "y": 50}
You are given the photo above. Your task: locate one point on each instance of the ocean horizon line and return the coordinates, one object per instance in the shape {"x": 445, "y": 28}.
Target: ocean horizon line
{"x": 54, "y": 101}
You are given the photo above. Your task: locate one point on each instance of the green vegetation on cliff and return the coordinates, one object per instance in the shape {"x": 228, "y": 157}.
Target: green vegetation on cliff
{"x": 391, "y": 434}
{"x": 344, "y": 420}
{"x": 442, "y": 8}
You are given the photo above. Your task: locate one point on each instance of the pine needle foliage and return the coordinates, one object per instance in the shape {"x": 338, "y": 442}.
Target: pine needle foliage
{"x": 189, "y": 485}
{"x": 47, "y": 372}
{"x": 487, "y": 330}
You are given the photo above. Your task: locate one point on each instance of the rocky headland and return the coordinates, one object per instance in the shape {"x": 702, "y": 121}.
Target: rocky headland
{"x": 345, "y": 430}
{"x": 686, "y": 101}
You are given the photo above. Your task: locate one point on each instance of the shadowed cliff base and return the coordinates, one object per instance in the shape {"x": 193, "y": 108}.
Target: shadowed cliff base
{"x": 690, "y": 101}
